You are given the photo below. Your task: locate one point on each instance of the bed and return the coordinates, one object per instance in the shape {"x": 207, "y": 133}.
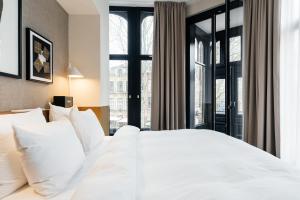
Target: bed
{"x": 179, "y": 165}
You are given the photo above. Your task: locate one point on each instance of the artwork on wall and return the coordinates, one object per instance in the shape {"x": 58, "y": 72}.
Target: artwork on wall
{"x": 39, "y": 56}
{"x": 10, "y": 38}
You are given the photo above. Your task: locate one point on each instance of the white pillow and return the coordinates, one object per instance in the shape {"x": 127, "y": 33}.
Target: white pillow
{"x": 57, "y": 112}
{"x": 11, "y": 174}
{"x": 51, "y": 155}
{"x": 88, "y": 129}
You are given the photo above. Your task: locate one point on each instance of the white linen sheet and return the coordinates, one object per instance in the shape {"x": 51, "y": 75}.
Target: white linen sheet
{"x": 184, "y": 165}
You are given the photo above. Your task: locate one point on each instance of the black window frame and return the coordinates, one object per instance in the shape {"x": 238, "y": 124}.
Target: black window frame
{"x": 134, "y": 57}
{"x": 211, "y": 14}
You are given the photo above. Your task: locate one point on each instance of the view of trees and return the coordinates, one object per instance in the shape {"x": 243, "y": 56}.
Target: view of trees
{"x": 146, "y": 71}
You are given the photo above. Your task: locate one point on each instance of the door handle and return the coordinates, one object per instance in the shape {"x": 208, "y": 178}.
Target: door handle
{"x": 231, "y": 105}
{"x": 130, "y": 96}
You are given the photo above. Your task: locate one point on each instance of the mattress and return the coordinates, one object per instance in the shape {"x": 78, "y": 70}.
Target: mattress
{"x": 27, "y": 192}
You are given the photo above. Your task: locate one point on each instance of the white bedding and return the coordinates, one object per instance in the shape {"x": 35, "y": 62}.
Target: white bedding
{"x": 27, "y": 192}
{"x": 183, "y": 165}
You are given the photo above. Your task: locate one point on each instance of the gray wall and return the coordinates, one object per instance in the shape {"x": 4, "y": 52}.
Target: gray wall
{"x": 49, "y": 19}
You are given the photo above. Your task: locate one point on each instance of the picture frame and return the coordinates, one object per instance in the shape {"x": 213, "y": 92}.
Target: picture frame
{"x": 39, "y": 57}
{"x": 11, "y": 38}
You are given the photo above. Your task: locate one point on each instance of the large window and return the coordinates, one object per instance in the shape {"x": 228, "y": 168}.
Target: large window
{"x": 131, "y": 43}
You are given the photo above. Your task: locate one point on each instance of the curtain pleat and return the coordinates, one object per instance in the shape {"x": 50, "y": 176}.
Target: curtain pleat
{"x": 261, "y": 74}
{"x": 168, "y": 73}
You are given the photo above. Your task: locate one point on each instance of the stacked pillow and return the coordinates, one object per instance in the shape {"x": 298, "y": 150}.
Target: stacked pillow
{"x": 49, "y": 154}
{"x": 11, "y": 172}
{"x": 87, "y": 127}
{"x": 57, "y": 112}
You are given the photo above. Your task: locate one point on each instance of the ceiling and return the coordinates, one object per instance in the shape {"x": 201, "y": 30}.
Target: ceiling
{"x": 87, "y": 7}
{"x": 142, "y": 2}
{"x": 236, "y": 19}
{"x": 79, "y": 7}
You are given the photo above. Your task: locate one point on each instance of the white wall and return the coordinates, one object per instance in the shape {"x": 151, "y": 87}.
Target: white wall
{"x": 84, "y": 51}
{"x": 198, "y": 6}
{"x": 103, "y": 9}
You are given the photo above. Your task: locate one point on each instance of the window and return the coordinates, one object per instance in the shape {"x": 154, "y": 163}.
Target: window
{"x": 235, "y": 49}
{"x": 199, "y": 94}
{"x": 118, "y": 31}
{"x": 120, "y": 86}
{"x": 120, "y": 104}
{"x": 147, "y": 35}
{"x": 130, "y": 66}
{"x": 112, "y": 86}
{"x": 218, "y": 52}
{"x": 196, "y": 50}
{"x": 240, "y": 95}
{"x": 201, "y": 52}
{"x": 146, "y": 69}
{"x": 117, "y": 112}
{"x": 120, "y": 72}
{"x": 220, "y": 96}
{"x": 146, "y": 74}
{"x": 112, "y": 104}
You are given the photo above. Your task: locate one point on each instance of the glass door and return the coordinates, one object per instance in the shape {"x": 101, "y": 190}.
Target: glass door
{"x": 118, "y": 69}
{"x": 235, "y": 63}
{"x": 215, "y": 73}
{"x": 201, "y": 68}
{"x": 220, "y": 75}
{"x": 131, "y": 38}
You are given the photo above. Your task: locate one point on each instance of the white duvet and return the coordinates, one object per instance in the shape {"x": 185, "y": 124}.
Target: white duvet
{"x": 185, "y": 165}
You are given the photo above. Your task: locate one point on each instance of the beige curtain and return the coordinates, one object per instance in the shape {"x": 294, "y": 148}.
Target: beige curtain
{"x": 168, "y": 87}
{"x": 261, "y": 74}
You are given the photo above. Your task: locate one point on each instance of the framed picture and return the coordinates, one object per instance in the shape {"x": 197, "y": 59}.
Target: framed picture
{"x": 39, "y": 57}
{"x": 11, "y": 38}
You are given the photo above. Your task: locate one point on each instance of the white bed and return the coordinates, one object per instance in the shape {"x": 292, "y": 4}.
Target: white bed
{"x": 180, "y": 165}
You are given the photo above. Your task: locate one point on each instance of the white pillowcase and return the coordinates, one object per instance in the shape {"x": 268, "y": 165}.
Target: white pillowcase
{"x": 51, "y": 155}
{"x": 57, "y": 112}
{"x": 88, "y": 129}
{"x": 11, "y": 174}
